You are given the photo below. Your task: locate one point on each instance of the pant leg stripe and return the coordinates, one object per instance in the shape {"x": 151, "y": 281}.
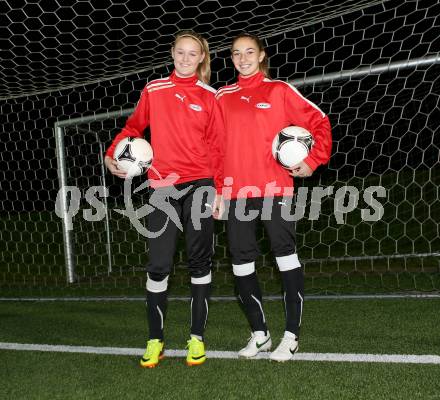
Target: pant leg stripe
{"x": 207, "y": 311}
{"x": 161, "y": 317}
{"x": 261, "y": 307}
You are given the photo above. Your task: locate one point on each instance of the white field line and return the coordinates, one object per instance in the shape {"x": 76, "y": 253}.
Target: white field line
{"x": 229, "y": 298}
{"x": 331, "y": 357}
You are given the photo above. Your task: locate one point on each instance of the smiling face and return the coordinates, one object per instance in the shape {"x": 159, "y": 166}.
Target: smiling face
{"x": 247, "y": 56}
{"x": 187, "y": 55}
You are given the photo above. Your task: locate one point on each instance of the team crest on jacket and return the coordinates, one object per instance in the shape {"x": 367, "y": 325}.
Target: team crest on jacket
{"x": 195, "y": 107}
{"x": 263, "y": 105}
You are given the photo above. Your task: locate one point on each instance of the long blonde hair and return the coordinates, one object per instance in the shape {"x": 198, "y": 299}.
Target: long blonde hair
{"x": 204, "y": 68}
{"x": 264, "y": 65}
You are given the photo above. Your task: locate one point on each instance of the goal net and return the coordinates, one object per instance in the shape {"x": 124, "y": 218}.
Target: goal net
{"x": 370, "y": 218}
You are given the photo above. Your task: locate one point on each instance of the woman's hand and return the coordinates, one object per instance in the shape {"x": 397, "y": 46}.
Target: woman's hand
{"x": 301, "y": 170}
{"x": 218, "y": 207}
{"x": 112, "y": 166}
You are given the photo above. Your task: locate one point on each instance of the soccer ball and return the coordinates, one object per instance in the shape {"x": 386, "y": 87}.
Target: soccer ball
{"x": 134, "y": 156}
{"x": 291, "y": 145}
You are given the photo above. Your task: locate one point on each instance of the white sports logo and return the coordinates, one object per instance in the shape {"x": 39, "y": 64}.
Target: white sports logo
{"x": 246, "y": 98}
{"x": 181, "y": 98}
{"x": 263, "y": 105}
{"x": 195, "y": 107}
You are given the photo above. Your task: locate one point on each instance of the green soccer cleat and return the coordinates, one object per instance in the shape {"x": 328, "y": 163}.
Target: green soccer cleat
{"x": 196, "y": 352}
{"x": 153, "y": 353}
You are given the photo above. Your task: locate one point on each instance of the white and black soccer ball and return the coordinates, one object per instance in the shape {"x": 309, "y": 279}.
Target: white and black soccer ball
{"x": 291, "y": 145}
{"x": 134, "y": 156}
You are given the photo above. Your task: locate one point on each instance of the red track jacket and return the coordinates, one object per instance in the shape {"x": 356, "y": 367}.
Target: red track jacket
{"x": 186, "y": 130}
{"x": 254, "y": 110}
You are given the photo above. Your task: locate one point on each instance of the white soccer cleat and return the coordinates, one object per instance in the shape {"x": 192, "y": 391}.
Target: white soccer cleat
{"x": 257, "y": 342}
{"x": 286, "y": 349}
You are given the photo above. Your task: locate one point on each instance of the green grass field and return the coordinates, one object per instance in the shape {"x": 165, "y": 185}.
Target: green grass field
{"x": 389, "y": 326}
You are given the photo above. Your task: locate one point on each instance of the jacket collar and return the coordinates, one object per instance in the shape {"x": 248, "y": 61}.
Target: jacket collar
{"x": 253, "y": 80}
{"x": 191, "y": 81}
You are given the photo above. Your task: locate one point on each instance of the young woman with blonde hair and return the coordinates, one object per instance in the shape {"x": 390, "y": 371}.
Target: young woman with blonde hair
{"x": 186, "y": 127}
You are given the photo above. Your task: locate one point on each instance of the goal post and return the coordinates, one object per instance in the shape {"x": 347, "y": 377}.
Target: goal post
{"x": 322, "y": 265}
{"x": 62, "y": 202}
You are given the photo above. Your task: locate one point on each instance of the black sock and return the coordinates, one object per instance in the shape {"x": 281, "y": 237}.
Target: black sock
{"x": 199, "y": 307}
{"x": 156, "y": 311}
{"x": 250, "y": 296}
{"x": 293, "y": 284}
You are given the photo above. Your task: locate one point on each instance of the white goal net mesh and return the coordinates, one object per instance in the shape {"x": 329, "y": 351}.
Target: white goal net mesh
{"x": 372, "y": 66}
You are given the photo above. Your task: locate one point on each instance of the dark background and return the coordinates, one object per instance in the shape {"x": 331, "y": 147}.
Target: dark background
{"x": 71, "y": 59}
{"x": 380, "y": 122}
